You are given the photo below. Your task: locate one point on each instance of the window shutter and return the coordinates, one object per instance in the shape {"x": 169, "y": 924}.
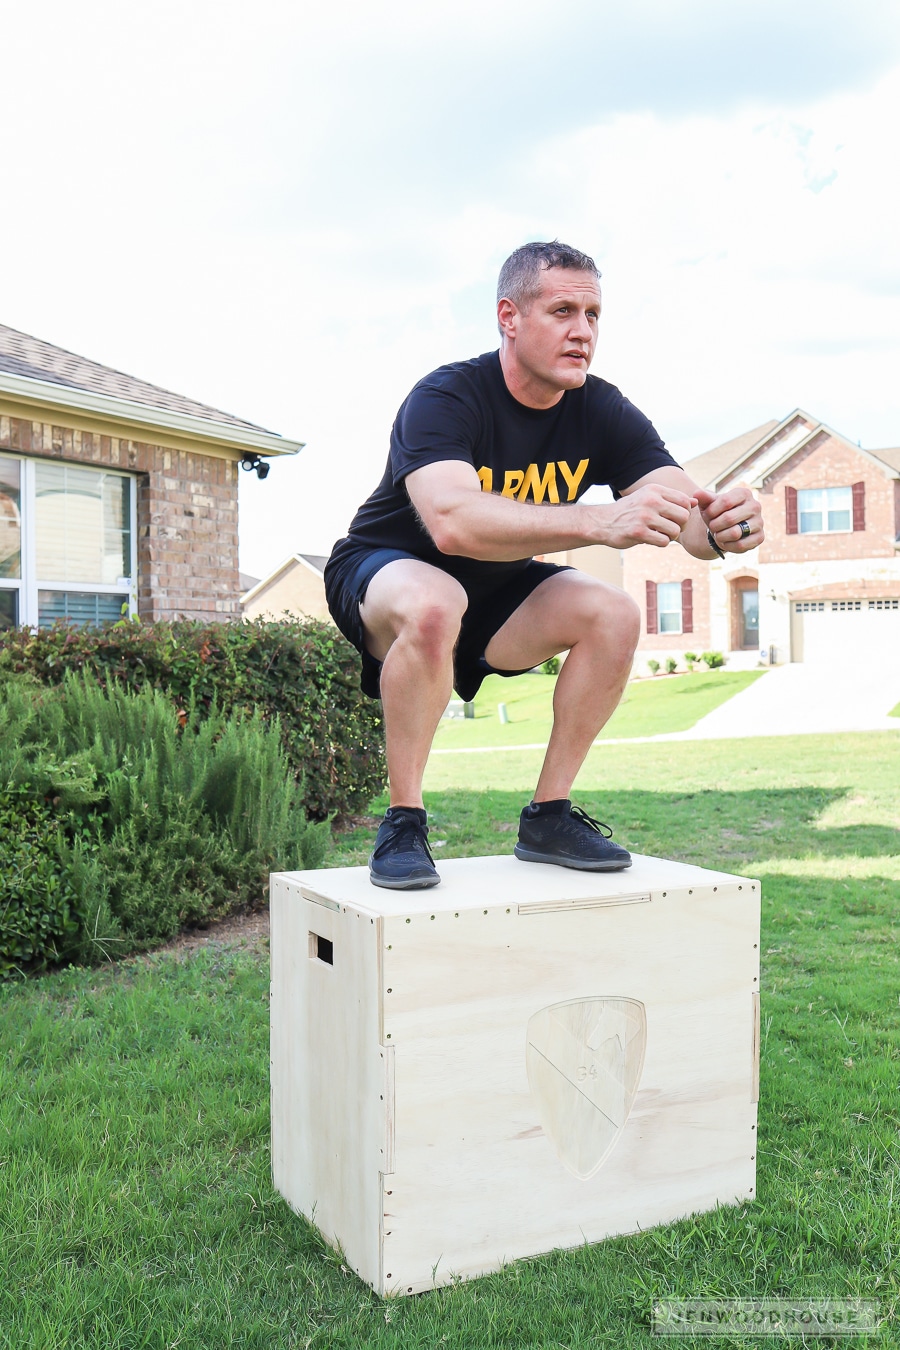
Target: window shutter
{"x": 652, "y": 620}
{"x": 687, "y": 606}
{"x": 790, "y": 511}
{"x": 859, "y": 506}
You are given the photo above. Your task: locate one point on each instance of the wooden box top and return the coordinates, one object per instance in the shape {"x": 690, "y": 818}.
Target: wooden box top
{"x": 478, "y": 883}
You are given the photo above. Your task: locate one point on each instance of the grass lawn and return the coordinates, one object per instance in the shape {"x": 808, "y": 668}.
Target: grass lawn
{"x": 648, "y": 708}
{"x": 137, "y": 1209}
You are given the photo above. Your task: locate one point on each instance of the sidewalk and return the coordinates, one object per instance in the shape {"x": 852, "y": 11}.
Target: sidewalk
{"x": 798, "y": 699}
{"x": 792, "y": 700}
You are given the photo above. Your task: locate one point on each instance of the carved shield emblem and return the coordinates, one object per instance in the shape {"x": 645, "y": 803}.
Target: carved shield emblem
{"x": 584, "y": 1061}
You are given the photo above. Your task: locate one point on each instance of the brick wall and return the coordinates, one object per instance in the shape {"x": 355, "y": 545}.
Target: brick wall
{"x": 187, "y": 514}
{"x": 829, "y": 462}
{"x": 643, "y": 564}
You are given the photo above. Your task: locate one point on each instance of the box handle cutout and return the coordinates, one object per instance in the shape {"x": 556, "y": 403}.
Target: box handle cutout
{"x": 321, "y": 949}
{"x": 580, "y": 902}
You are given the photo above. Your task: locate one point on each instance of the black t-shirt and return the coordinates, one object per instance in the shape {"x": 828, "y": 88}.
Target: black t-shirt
{"x": 464, "y": 411}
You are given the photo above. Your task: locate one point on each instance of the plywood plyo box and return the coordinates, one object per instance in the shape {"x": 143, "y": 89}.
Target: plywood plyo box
{"x": 524, "y": 1058}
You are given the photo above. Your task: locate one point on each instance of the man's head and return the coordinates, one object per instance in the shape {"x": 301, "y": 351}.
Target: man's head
{"x": 548, "y": 310}
{"x": 520, "y": 275}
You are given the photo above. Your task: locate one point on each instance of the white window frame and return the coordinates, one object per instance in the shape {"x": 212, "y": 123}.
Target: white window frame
{"x": 826, "y": 494}
{"x": 676, "y": 585}
{"x": 28, "y": 584}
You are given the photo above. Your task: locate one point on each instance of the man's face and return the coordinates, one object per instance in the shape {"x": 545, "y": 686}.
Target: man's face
{"x": 556, "y": 335}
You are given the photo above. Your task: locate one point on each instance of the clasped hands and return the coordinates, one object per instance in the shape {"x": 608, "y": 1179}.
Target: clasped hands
{"x": 660, "y": 513}
{"x": 724, "y": 515}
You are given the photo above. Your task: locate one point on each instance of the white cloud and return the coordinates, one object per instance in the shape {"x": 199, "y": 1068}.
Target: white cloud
{"x": 295, "y": 212}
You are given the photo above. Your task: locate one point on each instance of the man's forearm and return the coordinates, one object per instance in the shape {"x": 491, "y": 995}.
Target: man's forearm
{"x": 465, "y": 522}
{"x": 498, "y": 529}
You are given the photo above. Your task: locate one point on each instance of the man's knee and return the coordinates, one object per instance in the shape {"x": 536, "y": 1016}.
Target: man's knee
{"x": 432, "y": 618}
{"x": 614, "y": 616}
{"x": 415, "y": 603}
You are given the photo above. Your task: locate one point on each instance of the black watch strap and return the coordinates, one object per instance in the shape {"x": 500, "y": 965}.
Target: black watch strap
{"x": 713, "y": 545}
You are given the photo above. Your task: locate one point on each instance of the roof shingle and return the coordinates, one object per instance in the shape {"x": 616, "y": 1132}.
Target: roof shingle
{"x": 33, "y": 359}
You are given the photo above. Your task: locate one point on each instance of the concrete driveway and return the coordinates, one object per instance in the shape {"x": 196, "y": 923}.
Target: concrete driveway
{"x": 789, "y": 700}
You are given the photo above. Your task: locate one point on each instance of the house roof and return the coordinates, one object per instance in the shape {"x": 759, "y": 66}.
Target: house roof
{"x": 315, "y": 560}
{"x": 890, "y": 456}
{"x": 31, "y": 366}
{"x": 757, "y": 453}
{"x": 712, "y": 464}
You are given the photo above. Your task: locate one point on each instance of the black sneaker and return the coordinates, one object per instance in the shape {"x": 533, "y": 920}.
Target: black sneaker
{"x": 569, "y": 837}
{"x": 401, "y": 858}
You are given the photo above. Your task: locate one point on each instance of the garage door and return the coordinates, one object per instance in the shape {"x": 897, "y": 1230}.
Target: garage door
{"x": 839, "y": 632}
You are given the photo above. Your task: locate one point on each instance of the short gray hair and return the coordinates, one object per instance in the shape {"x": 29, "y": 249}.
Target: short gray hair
{"x": 520, "y": 275}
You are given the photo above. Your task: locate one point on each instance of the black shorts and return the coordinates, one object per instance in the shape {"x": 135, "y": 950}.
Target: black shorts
{"x": 347, "y": 578}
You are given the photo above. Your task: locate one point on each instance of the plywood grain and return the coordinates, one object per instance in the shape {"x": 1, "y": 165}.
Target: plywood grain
{"x": 330, "y": 1137}
{"x": 652, "y": 1000}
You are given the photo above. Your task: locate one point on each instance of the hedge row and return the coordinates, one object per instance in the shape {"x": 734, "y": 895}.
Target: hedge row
{"x": 303, "y": 673}
{"x": 120, "y": 825}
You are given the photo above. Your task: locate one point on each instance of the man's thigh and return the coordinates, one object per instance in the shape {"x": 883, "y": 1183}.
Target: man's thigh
{"x": 553, "y": 618}
{"x": 403, "y": 592}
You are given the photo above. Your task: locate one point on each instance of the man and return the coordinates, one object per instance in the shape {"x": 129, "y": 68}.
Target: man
{"x": 436, "y": 583}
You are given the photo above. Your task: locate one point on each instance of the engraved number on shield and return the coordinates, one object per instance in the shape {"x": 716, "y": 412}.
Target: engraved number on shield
{"x": 584, "y": 1060}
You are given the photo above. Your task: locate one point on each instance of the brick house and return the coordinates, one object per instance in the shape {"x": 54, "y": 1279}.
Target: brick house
{"x": 115, "y": 495}
{"x": 825, "y": 585}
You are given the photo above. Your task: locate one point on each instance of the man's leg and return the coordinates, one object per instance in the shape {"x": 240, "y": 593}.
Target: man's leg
{"x": 411, "y": 616}
{"x": 599, "y": 625}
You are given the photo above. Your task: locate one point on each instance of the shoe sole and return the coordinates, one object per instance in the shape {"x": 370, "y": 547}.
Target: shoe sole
{"x": 404, "y": 883}
{"x": 579, "y": 864}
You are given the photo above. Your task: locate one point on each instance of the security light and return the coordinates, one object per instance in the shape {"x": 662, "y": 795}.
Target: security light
{"x": 249, "y": 462}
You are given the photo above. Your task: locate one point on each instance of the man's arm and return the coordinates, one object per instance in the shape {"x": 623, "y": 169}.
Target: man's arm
{"x": 721, "y": 514}
{"x": 463, "y": 521}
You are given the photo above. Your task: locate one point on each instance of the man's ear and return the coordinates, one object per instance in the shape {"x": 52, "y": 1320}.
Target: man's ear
{"x": 507, "y": 314}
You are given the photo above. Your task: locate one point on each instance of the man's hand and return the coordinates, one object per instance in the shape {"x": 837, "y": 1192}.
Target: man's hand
{"x": 652, "y": 514}
{"x": 724, "y": 513}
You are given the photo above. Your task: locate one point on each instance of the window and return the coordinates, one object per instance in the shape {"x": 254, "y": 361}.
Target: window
{"x": 749, "y": 619}
{"x": 10, "y": 541}
{"x": 668, "y": 601}
{"x": 825, "y": 510}
{"x": 67, "y": 540}
{"x": 670, "y": 606}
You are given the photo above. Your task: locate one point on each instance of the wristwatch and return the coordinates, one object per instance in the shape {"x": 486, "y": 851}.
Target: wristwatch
{"x": 713, "y": 545}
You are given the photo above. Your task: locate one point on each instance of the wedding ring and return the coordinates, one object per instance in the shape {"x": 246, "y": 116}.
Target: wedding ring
{"x": 744, "y": 529}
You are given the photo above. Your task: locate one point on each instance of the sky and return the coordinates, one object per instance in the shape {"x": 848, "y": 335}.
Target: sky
{"x": 294, "y": 212}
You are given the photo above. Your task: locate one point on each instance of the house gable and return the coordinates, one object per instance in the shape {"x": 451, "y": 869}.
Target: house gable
{"x": 828, "y": 460}
{"x": 296, "y": 586}
{"x": 707, "y": 469}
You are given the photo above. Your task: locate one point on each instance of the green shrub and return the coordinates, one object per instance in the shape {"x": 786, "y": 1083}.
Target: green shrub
{"x": 38, "y": 902}
{"x": 690, "y": 660}
{"x": 302, "y": 673}
{"x": 714, "y": 660}
{"x": 671, "y": 665}
{"x": 152, "y": 819}
{"x": 653, "y": 666}
{"x": 551, "y": 666}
